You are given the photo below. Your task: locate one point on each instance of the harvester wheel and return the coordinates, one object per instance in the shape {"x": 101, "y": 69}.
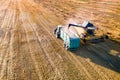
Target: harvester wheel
{"x": 84, "y": 40}
{"x": 106, "y": 36}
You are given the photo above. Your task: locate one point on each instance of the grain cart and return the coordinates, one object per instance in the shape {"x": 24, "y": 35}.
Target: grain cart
{"x": 71, "y": 40}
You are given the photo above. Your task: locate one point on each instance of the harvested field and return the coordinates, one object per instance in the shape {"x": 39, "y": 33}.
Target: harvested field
{"x": 30, "y": 51}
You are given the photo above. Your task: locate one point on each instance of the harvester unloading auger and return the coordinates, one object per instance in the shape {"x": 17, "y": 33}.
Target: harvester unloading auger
{"x": 74, "y": 34}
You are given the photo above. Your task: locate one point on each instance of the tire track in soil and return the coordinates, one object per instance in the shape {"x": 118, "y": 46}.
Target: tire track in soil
{"x": 29, "y": 43}
{"x": 3, "y": 21}
{"x": 28, "y": 63}
{"x": 28, "y": 66}
{"x": 5, "y": 53}
{"x": 13, "y": 44}
{"x": 3, "y": 44}
{"x": 29, "y": 28}
{"x": 17, "y": 58}
{"x": 36, "y": 34}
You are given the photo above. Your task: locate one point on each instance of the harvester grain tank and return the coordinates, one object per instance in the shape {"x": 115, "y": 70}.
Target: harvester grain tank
{"x": 85, "y": 29}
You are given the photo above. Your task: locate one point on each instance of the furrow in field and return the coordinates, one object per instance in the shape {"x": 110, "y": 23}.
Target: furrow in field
{"x": 4, "y": 40}
{"x": 29, "y": 38}
{"x": 5, "y": 53}
{"x": 13, "y": 43}
{"x": 28, "y": 66}
{"x": 4, "y": 17}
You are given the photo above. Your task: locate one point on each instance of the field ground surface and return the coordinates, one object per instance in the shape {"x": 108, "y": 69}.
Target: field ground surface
{"x": 30, "y": 51}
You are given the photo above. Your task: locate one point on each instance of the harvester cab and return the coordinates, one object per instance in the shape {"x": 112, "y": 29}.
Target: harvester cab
{"x": 89, "y": 27}
{"x": 90, "y": 30}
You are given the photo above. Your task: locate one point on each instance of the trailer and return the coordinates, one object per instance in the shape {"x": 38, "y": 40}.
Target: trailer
{"x": 71, "y": 41}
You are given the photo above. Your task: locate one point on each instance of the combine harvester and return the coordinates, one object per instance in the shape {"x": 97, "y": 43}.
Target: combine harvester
{"x": 74, "y": 34}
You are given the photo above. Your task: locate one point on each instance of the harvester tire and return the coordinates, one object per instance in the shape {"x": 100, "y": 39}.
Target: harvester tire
{"x": 106, "y": 36}
{"x": 84, "y": 40}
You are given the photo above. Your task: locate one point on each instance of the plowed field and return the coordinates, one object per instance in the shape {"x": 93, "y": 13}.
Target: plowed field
{"x": 30, "y": 51}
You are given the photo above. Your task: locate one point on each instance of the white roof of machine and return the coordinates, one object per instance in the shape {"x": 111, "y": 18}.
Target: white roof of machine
{"x": 87, "y": 24}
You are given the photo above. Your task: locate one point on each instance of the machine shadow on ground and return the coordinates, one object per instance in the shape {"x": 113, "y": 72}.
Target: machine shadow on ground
{"x": 101, "y": 54}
